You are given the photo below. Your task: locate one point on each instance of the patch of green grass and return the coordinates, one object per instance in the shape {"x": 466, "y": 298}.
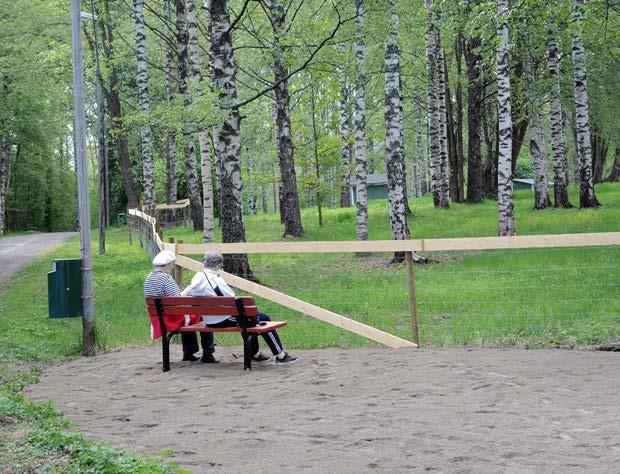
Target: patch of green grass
{"x": 33, "y": 436}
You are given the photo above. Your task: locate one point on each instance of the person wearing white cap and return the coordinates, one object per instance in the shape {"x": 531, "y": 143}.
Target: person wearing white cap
{"x": 210, "y": 283}
{"x": 160, "y": 283}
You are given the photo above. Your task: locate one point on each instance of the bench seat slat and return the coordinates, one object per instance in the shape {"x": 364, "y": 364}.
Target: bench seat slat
{"x": 270, "y": 326}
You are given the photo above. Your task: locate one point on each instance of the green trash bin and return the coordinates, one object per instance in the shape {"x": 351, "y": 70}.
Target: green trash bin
{"x": 64, "y": 288}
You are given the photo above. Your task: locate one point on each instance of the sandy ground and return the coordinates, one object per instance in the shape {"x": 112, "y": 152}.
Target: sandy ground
{"x": 351, "y": 411}
{"x": 18, "y": 250}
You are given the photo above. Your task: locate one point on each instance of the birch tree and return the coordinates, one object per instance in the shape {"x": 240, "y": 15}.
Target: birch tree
{"x": 290, "y": 200}
{"x": 434, "y": 129}
{"x": 558, "y": 135}
{"x": 345, "y": 192}
{"x": 444, "y": 174}
{"x": 143, "y": 94}
{"x": 191, "y": 174}
{"x": 504, "y": 166}
{"x": 394, "y": 156}
{"x": 587, "y": 196}
{"x": 171, "y": 146}
{"x": 203, "y": 138}
{"x": 538, "y": 142}
{"x": 360, "y": 125}
{"x": 421, "y": 166}
{"x": 228, "y": 139}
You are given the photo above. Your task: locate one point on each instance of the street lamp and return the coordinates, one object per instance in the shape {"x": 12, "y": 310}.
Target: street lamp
{"x": 88, "y": 316}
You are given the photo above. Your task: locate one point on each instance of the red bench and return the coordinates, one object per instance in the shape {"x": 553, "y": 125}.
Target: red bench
{"x": 175, "y": 307}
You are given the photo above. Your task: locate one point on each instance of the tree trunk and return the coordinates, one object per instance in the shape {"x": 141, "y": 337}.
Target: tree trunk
{"x": 290, "y": 199}
{"x": 102, "y": 154}
{"x": 443, "y": 126}
{"x": 421, "y": 168}
{"x": 490, "y": 128}
{"x": 171, "y": 144}
{"x": 191, "y": 173}
{"x": 114, "y": 106}
{"x": 538, "y": 150}
{"x": 459, "y": 196}
{"x": 345, "y": 191}
{"x": 203, "y": 138}
{"x": 519, "y": 126}
{"x": 228, "y": 138}
{"x": 434, "y": 128}
{"x": 587, "y": 196}
{"x": 599, "y": 155}
{"x": 143, "y": 99}
{"x": 452, "y": 155}
{"x": 475, "y": 112}
{"x": 614, "y": 174}
{"x": 394, "y": 156}
{"x": 317, "y": 169}
{"x": 4, "y": 179}
{"x": 558, "y": 136}
{"x": 504, "y": 168}
{"x": 538, "y": 143}
{"x": 360, "y": 126}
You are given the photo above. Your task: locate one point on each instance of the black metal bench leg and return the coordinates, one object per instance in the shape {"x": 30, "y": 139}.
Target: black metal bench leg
{"x": 165, "y": 345}
{"x": 247, "y": 351}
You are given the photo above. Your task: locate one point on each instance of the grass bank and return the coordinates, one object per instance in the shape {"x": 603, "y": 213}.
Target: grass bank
{"x": 33, "y": 436}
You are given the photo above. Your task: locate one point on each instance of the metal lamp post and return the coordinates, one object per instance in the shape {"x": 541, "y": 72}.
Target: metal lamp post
{"x": 88, "y": 314}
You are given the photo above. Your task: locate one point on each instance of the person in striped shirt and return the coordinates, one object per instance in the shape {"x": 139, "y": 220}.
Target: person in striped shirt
{"x": 160, "y": 283}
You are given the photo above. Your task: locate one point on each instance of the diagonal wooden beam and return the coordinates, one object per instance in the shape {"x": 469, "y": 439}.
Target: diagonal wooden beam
{"x": 303, "y": 307}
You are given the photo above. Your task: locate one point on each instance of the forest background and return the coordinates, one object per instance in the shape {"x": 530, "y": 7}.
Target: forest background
{"x": 318, "y": 91}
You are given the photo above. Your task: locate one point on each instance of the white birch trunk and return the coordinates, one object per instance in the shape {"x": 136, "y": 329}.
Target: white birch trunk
{"x": 434, "y": 132}
{"x": 422, "y": 164}
{"x": 444, "y": 190}
{"x": 171, "y": 146}
{"x": 360, "y": 125}
{"x": 504, "y": 163}
{"x": 191, "y": 173}
{"x": 143, "y": 96}
{"x": 538, "y": 150}
{"x": 558, "y": 135}
{"x": 394, "y": 156}
{"x": 587, "y": 197}
{"x": 345, "y": 192}
{"x": 228, "y": 139}
{"x": 203, "y": 139}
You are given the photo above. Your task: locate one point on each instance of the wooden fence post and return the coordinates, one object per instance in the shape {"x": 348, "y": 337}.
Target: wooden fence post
{"x": 413, "y": 307}
{"x": 128, "y": 220}
{"x": 178, "y": 270}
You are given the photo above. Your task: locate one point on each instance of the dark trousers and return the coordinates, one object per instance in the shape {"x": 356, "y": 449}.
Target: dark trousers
{"x": 271, "y": 338}
{"x": 189, "y": 341}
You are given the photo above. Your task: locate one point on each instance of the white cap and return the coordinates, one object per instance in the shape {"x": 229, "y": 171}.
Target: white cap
{"x": 163, "y": 258}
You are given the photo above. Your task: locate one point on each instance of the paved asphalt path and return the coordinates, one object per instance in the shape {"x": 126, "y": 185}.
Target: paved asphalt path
{"x": 17, "y": 251}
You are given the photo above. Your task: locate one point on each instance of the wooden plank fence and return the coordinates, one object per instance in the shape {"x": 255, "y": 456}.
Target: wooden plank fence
{"x": 370, "y": 246}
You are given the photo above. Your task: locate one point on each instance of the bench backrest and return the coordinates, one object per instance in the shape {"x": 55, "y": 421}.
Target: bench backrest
{"x": 202, "y": 305}
{"x": 175, "y": 308}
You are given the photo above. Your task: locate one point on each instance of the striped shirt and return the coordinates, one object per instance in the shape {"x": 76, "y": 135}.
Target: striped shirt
{"x": 159, "y": 283}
